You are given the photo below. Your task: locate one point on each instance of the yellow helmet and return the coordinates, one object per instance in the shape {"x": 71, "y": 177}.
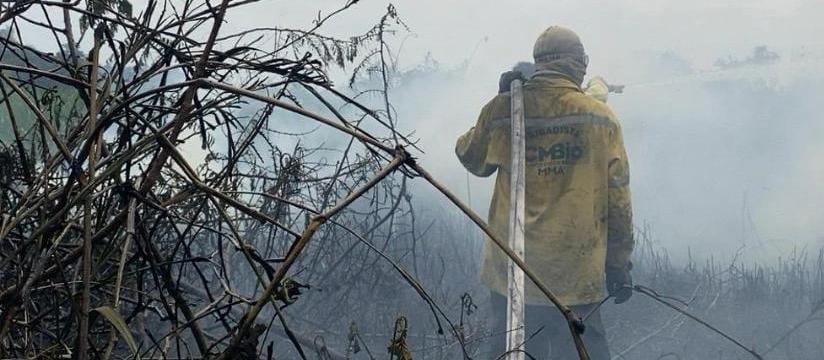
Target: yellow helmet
{"x": 558, "y": 42}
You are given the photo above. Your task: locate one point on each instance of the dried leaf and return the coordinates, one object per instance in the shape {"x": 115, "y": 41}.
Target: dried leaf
{"x": 117, "y": 321}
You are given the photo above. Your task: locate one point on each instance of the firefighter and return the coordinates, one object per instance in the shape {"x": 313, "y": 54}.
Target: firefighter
{"x": 578, "y": 231}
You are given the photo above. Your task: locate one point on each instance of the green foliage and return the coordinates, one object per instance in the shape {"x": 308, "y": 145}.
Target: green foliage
{"x": 59, "y": 104}
{"x": 99, "y": 7}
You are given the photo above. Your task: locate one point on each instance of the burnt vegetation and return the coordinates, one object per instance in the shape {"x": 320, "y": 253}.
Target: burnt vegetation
{"x": 117, "y": 244}
{"x": 174, "y": 190}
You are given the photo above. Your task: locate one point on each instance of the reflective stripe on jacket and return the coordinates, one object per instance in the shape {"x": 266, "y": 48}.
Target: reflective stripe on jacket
{"x": 578, "y": 212}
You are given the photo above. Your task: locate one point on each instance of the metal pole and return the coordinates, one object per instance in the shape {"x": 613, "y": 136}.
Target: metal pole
{"x": 517, "y": 182}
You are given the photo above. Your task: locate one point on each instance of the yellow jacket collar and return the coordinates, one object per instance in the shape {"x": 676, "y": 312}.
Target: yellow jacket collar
{"x": 553, "y": 79}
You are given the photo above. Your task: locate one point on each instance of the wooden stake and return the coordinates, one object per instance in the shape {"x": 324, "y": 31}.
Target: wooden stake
{"x": 515, "y": 276}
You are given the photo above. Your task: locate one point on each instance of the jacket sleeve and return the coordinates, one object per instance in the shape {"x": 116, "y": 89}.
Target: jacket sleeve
{"x": 598, "y": 89}
{"x": 473, "y": 146}
{"x": 620, "y": 241}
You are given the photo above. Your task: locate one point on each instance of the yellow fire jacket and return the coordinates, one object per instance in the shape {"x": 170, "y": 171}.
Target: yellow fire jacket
{"x": 578, "y": 212}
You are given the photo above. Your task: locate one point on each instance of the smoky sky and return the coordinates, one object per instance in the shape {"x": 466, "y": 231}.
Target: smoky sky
{"x": 721, "y": 161}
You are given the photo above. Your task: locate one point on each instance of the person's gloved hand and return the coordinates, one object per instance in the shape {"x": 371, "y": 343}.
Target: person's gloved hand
{"x": 507, "y": 78}
{"x": 619, "y": 283}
